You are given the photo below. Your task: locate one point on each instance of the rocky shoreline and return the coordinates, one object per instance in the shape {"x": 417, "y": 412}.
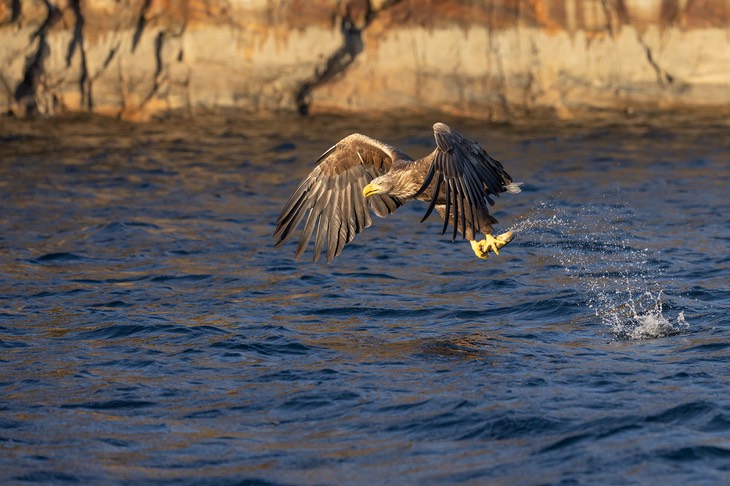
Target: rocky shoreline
{"x": 495, "y": 60}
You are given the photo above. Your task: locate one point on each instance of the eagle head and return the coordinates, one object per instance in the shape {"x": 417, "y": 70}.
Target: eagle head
{"x": 379, "y": 185}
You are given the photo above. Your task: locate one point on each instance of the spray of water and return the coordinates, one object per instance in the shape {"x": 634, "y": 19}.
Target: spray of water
{"x": 620, "y": 282}
{"x": 644, "y": 318}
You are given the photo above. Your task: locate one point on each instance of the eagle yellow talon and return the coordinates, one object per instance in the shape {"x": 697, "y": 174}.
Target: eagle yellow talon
{"x": 490, "y": 243}
{"x": 476, "y": 246}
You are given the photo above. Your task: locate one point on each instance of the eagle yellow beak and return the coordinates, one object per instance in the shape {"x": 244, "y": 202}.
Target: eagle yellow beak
{"x": 370, "y": 189}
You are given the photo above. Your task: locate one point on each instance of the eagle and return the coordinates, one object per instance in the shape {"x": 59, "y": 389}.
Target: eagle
{"x": 360, "y": 174}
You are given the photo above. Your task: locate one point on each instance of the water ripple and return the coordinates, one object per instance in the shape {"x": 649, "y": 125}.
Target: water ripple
{"x": 149, "y": 327}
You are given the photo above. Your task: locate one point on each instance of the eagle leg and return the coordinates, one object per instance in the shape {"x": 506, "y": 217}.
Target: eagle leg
{"x": 490, "y": 243}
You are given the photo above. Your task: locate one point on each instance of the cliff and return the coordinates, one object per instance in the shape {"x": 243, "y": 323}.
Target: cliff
{"x": 493, "y": 59}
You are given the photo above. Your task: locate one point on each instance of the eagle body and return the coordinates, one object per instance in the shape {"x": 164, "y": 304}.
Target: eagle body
{"x": 360, "y": 174}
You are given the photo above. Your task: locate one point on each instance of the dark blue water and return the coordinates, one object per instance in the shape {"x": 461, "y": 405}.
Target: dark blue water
{"x": 150, "y": 332}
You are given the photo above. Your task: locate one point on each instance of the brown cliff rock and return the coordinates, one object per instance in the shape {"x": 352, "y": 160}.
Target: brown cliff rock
{"x": 490, "y": 59}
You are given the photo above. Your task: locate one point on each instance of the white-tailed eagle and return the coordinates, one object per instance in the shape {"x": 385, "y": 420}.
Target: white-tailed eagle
{"x": 360, "y": 174}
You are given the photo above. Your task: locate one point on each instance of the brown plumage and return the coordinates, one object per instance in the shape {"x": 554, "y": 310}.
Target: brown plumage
{"x": 360, "y": 174}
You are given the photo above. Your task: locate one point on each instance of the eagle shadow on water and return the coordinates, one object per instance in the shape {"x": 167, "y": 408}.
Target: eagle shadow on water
{"x": 359, "y": 174}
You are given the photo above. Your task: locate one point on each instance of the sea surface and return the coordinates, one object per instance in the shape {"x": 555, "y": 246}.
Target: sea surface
{"x": 151, "y": 334}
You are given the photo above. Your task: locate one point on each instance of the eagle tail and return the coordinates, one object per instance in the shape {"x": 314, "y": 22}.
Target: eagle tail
{"x": 513, "y": 187}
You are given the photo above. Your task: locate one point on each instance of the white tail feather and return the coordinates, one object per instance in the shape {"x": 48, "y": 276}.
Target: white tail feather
{"x": 513, "y": 187}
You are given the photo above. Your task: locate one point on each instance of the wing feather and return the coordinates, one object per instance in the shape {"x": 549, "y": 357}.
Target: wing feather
{"x": 468, "y": 194}
{"x": 362, "y": 215}
{"x": 469, "y": 177}
{"x": 291, "y": 212}
{"x": 465, "y": 208}
{"x": 331, "y": 199}
{"x": 434, "y": 200}
{"x": 347, "y": 220}
{"x": 313, "y": 223}
{"x": 306, "y": 235}
{"x": 448, "y": 206}
{"x": 321, "y": 227}
{"x": 293, "y": 219}
{"x": 335, "y": 224}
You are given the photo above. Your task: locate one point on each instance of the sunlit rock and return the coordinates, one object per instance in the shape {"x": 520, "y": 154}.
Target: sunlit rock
{"x": 498, "y": 59}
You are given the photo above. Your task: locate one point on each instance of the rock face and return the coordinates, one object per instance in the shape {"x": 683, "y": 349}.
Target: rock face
{"x": 491, "y": 59}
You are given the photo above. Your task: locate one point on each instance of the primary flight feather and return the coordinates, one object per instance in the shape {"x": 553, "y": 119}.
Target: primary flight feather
{"x": 360, "y": 174}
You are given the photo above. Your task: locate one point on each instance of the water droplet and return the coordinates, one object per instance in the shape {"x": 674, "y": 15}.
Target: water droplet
{"x": 617, "y": 279}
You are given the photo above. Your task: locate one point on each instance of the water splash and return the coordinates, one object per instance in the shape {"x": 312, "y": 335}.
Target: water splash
{"x": 620, "y": 282}
{"x": 635, "y": 320}
{"x": 543, "y": 217}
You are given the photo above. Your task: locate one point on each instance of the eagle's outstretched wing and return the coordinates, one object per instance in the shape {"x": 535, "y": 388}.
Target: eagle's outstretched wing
{"x": 331, "y": 196}
{"x": 467, "y": 176}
